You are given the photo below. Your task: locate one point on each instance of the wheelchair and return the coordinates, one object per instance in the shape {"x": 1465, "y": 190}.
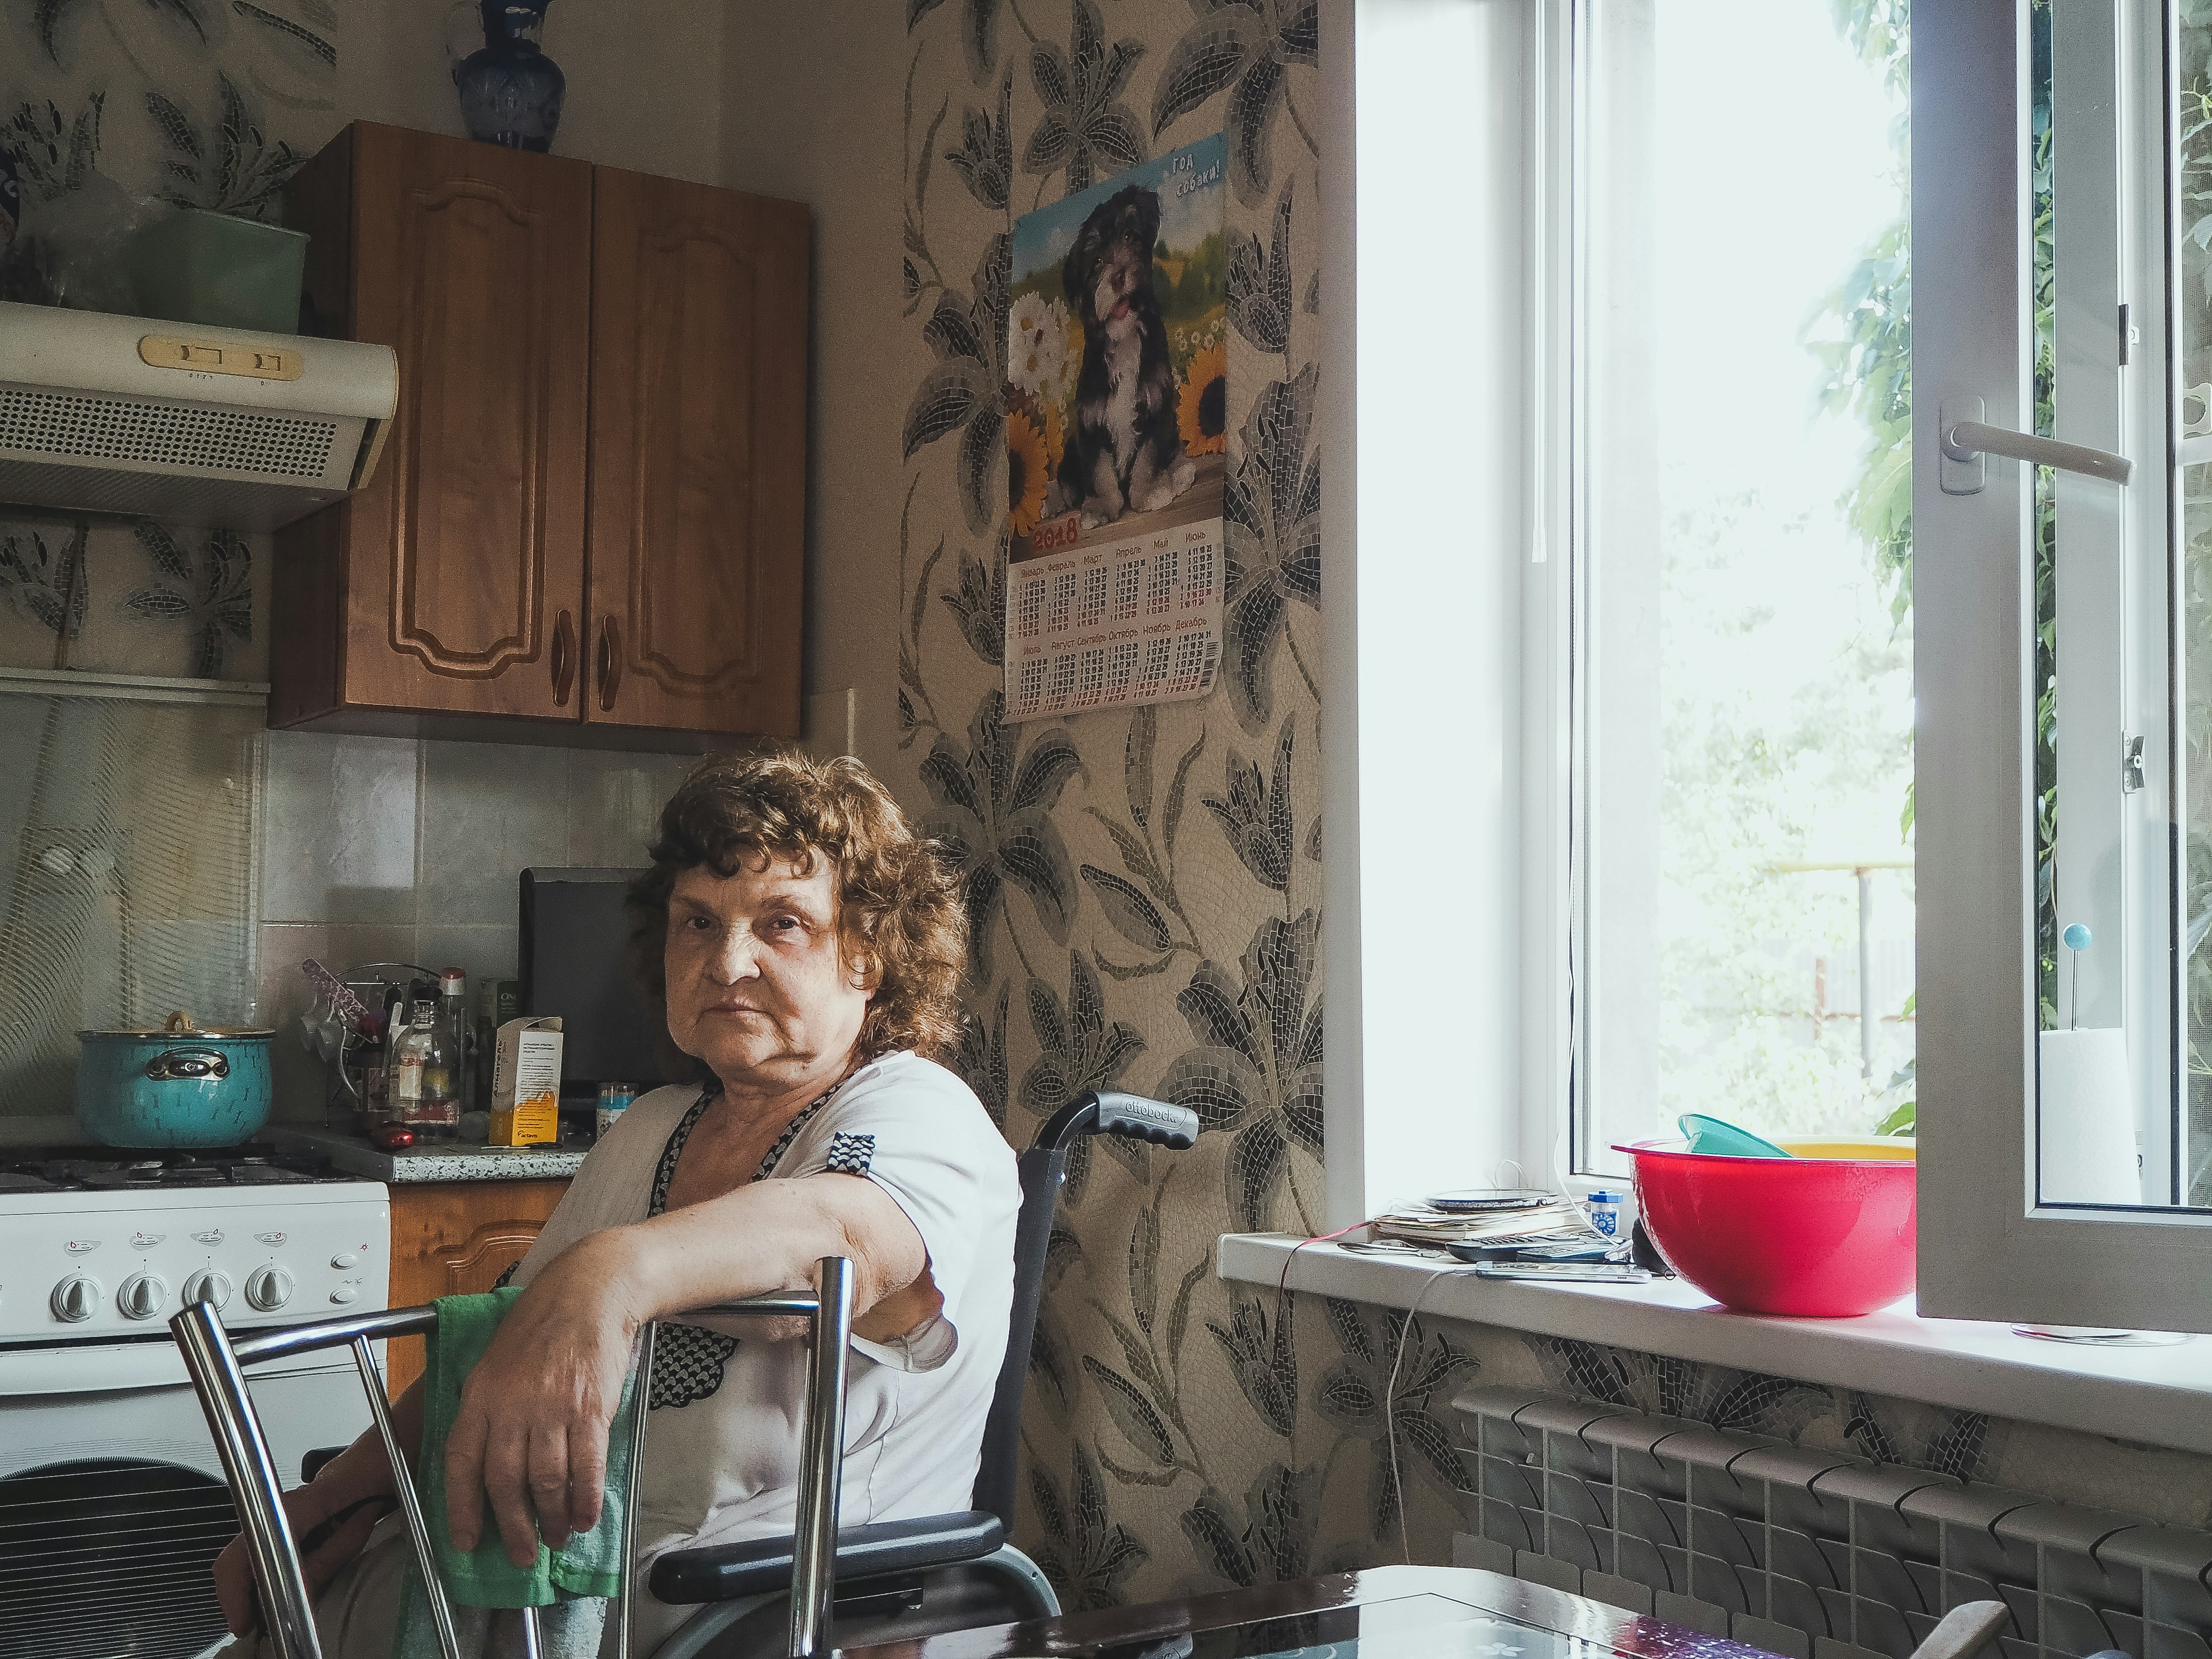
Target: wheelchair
{"x": 824, "y": 1586}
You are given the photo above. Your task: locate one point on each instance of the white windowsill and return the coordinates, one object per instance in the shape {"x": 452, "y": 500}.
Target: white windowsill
{"x": 2160, "y": 1395}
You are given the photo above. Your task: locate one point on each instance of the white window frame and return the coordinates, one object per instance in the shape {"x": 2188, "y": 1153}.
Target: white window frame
{"x": 1558, "y": 990}
{"x": 1562, "y": 728}
{"x": 1988, "y": 1250}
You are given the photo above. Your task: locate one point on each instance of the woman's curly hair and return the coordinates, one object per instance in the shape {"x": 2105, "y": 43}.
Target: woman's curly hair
{"x": 899, "y": 912}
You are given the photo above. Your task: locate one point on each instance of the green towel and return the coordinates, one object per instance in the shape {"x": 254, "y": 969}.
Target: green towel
{"x": 590, "y": 1563}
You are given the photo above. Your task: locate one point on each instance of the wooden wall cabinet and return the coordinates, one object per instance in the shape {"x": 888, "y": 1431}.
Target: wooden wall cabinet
{"x": 457, "y": 1239}
{"x": 590, "y": 522}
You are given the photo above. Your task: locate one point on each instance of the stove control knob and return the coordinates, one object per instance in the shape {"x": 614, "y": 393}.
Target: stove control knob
{"x": 76, "y": 1299}
{"x": 267, "y": 1289}
{"x": 142, "y": 1296}
{"x": 208, "y": 1286}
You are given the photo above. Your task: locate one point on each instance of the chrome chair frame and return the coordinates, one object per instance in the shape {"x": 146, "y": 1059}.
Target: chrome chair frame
{"x": 215, "y": 1360}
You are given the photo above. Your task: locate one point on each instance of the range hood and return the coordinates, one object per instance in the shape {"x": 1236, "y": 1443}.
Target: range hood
{"x": 198, "y": 426}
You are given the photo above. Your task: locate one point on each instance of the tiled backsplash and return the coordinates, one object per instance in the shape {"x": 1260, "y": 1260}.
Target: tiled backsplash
{"x": 366, "y": 849}
{"x": 1813, "y": 1554}
{"x": 375, "y": 849}
{"x": 128, "y": 888}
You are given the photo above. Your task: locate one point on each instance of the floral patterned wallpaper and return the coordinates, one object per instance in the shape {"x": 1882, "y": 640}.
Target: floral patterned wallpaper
{"x": 106, "y": 105}
{"x": 1145, "y": 886}
{"x": 195, "y": 102}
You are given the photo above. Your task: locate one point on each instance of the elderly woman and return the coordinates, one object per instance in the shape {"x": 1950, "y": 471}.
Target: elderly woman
{"x": 808, "y": 948}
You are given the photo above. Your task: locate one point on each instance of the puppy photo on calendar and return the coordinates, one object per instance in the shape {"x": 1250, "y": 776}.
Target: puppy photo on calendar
{"x": 1124, "y": 447}
{"x": 1116, "y": 379}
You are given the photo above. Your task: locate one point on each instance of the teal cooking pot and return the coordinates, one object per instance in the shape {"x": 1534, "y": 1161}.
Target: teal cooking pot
{"x": 178, "y": 1086}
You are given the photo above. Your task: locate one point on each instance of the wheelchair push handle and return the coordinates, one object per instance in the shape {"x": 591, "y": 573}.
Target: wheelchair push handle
{"x": 1110, "y": 1112}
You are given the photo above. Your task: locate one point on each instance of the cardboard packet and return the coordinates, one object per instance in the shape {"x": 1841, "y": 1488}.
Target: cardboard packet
{"x": 525, "y": 1086}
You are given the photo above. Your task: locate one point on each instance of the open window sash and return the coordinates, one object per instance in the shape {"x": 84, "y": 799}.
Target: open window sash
{"x": 2013, "y": 1226}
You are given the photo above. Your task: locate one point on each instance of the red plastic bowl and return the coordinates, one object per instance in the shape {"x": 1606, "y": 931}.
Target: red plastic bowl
{"x": 1828, "y": 1234}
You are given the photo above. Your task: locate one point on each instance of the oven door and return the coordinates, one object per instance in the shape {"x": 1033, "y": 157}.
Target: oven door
{"x": 113, "y": 1505}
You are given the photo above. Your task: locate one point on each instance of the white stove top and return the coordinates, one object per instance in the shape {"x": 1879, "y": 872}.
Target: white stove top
{"x": 103, "y": 1265}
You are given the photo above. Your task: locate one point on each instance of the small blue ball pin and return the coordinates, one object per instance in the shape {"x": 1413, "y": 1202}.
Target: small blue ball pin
{"x": 2076, "y": 939}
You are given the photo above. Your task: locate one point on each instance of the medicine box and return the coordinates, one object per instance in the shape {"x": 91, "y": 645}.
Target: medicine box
{"x": 525, "y": 1085}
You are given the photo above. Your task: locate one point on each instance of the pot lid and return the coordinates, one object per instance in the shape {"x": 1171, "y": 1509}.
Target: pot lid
{"x": 178, "y": 1025}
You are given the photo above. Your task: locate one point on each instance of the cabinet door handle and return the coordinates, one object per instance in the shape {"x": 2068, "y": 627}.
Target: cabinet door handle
{"x": 610, "y": 662}
{"x": 564, "y": 659}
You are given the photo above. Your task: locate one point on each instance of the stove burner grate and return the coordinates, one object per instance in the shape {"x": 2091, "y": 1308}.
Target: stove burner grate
{"x": 69, "y": 1171}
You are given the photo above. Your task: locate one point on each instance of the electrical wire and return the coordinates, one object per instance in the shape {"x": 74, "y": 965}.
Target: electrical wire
{"x": 1282, "y": 1302}
{"x": 1282, "y": 1283}
{"x": 1390, "y": 1400}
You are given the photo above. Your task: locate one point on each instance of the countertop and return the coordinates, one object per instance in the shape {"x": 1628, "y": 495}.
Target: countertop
{"x": 451, "y": 1161}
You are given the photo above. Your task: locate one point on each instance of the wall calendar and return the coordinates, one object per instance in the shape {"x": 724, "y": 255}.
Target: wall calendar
{"x": 1117, "y": 446}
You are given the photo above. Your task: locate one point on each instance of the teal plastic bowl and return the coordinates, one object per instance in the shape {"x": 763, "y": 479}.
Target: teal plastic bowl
{"x": 194, "y": 266}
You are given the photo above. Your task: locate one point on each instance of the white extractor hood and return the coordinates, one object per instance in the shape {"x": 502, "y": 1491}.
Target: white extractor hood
{"x": 202, "y": 426}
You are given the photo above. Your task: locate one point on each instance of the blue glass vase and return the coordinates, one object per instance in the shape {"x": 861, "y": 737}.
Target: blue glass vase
{"x": 510, "y": 91}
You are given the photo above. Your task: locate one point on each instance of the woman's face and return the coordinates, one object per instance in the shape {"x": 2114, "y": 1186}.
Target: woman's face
{"x": 756, "y": 988}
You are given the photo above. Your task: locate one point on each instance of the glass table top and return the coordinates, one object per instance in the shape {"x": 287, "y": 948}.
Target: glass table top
{"x": 1421, "y": 1626}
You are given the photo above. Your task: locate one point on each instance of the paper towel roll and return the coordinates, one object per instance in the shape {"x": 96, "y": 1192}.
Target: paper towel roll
{"x": 2088, "y": 1119}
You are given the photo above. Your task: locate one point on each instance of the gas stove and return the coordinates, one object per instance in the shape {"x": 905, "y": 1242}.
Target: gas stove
{"x": 99, "y": 1246}
{"x": 86, "y": 1168}
{"x": 102, "y": 1441}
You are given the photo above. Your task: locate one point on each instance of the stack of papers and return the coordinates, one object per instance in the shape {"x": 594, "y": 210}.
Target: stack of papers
{"x": 1557, "y": 1221}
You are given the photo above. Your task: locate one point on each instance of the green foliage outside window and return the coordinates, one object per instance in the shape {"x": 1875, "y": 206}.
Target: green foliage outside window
{"x": 1869, "y": 376}
{"x": 1862, "y": 333}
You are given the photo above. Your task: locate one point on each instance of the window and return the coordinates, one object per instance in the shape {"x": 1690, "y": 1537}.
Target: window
{"x": 1784, "y": 747}
{"x": 1739, "y": 478}
{"x": 2063, "y": 295}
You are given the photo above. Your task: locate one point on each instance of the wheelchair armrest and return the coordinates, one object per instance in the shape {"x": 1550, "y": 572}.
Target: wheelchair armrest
{"x": 764, "y": 1565}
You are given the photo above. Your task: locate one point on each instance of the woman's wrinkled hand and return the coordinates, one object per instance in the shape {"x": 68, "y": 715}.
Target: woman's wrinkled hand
{"x": 349, "y": 1498}
{"x": 529, "y": 1438}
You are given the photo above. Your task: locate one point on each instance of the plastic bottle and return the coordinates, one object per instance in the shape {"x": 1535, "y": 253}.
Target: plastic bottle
{"x": 613, "y": 1101}
{"x": 1604, "y": 1210}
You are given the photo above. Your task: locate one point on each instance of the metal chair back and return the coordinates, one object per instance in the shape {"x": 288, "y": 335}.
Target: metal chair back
{"x": 215, "y": 1360}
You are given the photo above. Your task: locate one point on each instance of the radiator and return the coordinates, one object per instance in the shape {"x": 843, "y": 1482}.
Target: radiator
{"x": 1813, "y": 1554}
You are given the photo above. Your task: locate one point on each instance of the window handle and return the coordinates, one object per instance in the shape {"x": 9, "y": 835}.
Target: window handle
{"x": 1965, "y": 441}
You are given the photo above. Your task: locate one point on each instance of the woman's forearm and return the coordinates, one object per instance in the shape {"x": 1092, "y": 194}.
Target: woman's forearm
{"x": 764, "y": 1237}
{"x": 362, "y": 1467}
